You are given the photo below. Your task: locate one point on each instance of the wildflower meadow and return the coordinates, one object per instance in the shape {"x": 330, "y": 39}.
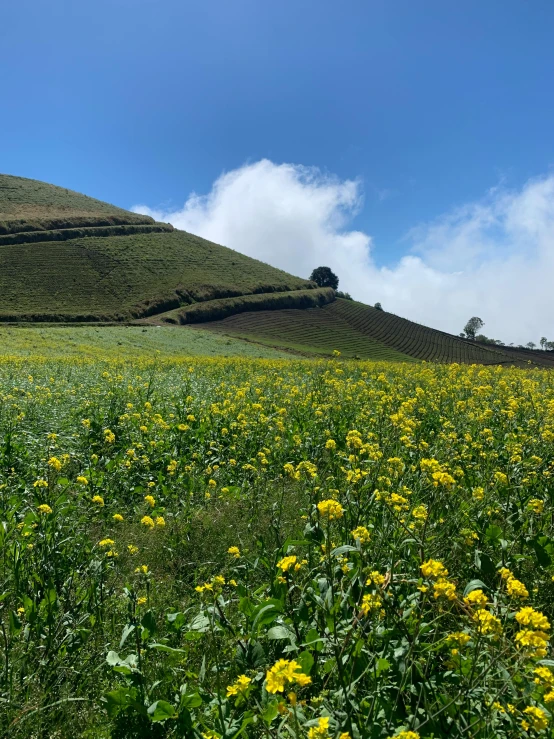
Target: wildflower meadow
{"x": 216, "y": 548}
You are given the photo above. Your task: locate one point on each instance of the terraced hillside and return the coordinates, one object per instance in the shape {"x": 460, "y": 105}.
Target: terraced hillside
{"x": 68, "y": 257}
{"x": 356, "y": 329}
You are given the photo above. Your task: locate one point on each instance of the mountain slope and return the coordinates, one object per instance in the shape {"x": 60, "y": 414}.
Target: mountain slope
{"x": 64, "y": 256}
{"x": 358, "y": 330}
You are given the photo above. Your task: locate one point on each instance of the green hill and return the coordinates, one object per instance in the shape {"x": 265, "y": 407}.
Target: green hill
{"x": 68, "y": 257}
{"x": 65, "y": 257}
{"x": 358, "y": 330}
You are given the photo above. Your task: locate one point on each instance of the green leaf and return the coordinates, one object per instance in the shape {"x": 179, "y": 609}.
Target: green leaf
{"x": 342, "y": 550}
{"x": 270, "y": 712}
{"x": 165, "y": 648}
{"x": 148, "y": 622}
{"x": 266, "y": 613}
{"x": 543, "y": 556}
{"x": 118, "y": 700}
{"x": 126, "y": 631}
{"x": 493, "y": 533}
{"x": 306, "y": 661}
{"x": 382, "y": 665}
{"x": 161, "y": 710}
{"x": 191, "y": 700}
{"x": 15, "y": 623}
{"x": 314, "y": 640}
{"x": 279, "y": 632}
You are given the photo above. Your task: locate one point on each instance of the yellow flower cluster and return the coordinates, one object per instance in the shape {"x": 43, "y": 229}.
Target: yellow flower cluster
{"x": 283, "y": 673}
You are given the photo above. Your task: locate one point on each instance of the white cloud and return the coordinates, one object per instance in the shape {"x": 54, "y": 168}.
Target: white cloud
{"x": 493, "y": 258}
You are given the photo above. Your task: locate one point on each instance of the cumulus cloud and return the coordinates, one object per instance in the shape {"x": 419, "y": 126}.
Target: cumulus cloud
{"x": 493, "y": 258}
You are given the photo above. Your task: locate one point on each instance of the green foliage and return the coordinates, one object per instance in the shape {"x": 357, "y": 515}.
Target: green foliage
{"x": 324, "y": 277}
{"x": 472, "y": 326}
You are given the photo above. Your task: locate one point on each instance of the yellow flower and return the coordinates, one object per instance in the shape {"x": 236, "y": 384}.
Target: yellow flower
{"x": 330, "y": 509}
{"x": 82, "y": 480}
{"x": 109, "y": 436}
{"x": 98, "y": 499}
{"x": 321, "y": 731}
{"x": 150, "y": 500}
{"x": 132, "y": 549}
{"x": 486, "y": 622}
{"x": 55, "y": 463}
{"x": 141, "y": 601}
{"x": 444, "y": 589}
{"x": 529, "y": 617}
{"x": 538, "y": 717}
{"x": 544, "y": 676}
{"x": 160, "y": 521}
{"x": 234, "y": 552}
{"x": 433, "y": 568}
{"x": 106, "y": 543}
{"x": 147, "y": 521}
{"x": 405, "y": 735}
{"x": 287, "y": 562}
{"x": 536, "y": 642}
{"x": 44, "y": 508}
{"x": 361, "y": 534}
{"x": 141, "y": 570}
{"x": 330, "y": 444}
{"x": 420, "y": 513}
{"x": 239, "y": 686}
{"x": 476, "y": 598}
{"x": 376, "y": 578}
{"x": 40, "y": 484}
{"x": 283, "y": 672}
{"x": 459, "y": 637}
{"x": 536, "y": 505}
{"x": 516, "y": 589}
{"x": 117, "y": 517}
{"x": 370, "y": 603}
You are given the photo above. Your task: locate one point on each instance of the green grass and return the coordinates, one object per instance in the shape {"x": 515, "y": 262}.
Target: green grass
{"x": 125, "y": 342}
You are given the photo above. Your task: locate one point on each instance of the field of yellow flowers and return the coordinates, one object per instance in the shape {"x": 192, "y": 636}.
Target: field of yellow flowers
{"x": 274, "y": 548}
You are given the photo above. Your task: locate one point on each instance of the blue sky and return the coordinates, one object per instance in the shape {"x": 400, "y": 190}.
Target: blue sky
{"x": 427, "y": 105}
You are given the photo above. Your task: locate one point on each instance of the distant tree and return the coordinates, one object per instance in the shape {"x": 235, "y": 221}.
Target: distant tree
{"x": 543, "y": 342}
{"x": 324, "y": 277}
{"x": 344, "y": 296}
{"x": 530, "y": 345}
{"x": 378, "y": 306}
{"x": 472, "y": 326}
{"x": 549, "y": 346}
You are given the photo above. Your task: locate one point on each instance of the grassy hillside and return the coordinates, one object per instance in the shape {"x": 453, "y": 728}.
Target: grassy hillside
{"x": 67, "y": 257}
{"x": 314, "y": 331}
{"x": 32, "y": 202}
{"x": 359, "y": 330}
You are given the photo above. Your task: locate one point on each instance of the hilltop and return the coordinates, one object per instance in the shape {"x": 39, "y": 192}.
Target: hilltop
{"x": 67, "y": 257}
